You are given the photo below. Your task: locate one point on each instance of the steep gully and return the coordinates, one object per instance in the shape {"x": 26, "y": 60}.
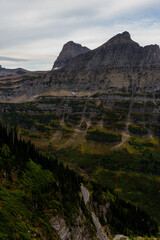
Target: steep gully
{"x": 125, "y": 134}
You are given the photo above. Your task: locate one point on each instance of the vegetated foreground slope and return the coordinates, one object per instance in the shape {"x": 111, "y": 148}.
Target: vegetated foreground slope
{"x": 39, "y": 198}
{"x": 114, "y": 138}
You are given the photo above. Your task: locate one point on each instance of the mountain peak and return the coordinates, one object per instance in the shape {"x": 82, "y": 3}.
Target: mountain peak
{"x": 69, "y": 51}
{"x": 121, "y": 38}
{"x": 126, "y": 34}
{"x": 70, "y": 43}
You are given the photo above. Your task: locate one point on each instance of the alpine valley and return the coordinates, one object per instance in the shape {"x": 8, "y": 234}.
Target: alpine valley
{"x": 93, "y": 120}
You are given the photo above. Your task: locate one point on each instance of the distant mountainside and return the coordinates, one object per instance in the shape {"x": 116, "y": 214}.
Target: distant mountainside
{"x": 119, "y": 64}
{"x": 119, "y": 51}
{"x": 4, "y": 72}
{"x": 69, "y": 51}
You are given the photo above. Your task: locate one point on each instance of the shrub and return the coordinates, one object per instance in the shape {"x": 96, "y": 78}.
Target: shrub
{"x": 138, "y": 130}
{"x": 99, "y": 136}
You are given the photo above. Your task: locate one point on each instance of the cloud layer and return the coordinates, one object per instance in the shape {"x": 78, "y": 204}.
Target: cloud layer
{"x": 9, "y": 59}
{"x": 37, "y": 29}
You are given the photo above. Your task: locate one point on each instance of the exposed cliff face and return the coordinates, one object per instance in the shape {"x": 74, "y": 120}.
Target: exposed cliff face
{"x": 79, "y": 231}
{"x": 141, "y": 80}
{"x": 22, "y": 88}
{"x": 69, "y": 51}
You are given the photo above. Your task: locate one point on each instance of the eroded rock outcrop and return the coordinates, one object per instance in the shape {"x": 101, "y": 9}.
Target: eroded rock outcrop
{"x": 79, "y": 231}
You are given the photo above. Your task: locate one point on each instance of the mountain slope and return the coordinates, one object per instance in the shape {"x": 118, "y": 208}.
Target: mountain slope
{"x": 47, "y": 192}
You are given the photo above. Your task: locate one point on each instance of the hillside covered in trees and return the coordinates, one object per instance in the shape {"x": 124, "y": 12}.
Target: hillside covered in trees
{"x": 34, "y": 189}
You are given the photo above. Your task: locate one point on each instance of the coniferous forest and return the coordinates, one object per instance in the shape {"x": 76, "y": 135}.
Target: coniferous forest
{"x": 122, "y": 216}
{"x": 32, "y": 189}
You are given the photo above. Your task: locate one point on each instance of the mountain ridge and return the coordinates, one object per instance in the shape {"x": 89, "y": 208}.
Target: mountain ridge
{"x": 119, "y": 51}
{"x": 5, "y": 72}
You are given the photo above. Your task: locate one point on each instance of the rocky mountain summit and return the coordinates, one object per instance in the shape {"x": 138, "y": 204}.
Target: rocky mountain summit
{"x": 69, "y": 51}
{"x": 120, "y": 51}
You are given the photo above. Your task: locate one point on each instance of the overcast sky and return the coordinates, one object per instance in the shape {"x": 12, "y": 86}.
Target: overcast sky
{"x": 34, "y": 31}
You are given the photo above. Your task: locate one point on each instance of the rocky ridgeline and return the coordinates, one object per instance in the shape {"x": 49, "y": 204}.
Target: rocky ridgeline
{"x": 4, "y": 72}
{"x": 119, "y": 52}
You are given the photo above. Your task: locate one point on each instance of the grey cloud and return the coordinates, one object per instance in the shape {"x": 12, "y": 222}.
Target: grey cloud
{"x": 12, "y": 59}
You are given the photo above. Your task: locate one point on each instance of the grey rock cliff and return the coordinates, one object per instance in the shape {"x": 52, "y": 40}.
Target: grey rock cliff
{"x": 69, "y": 51}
